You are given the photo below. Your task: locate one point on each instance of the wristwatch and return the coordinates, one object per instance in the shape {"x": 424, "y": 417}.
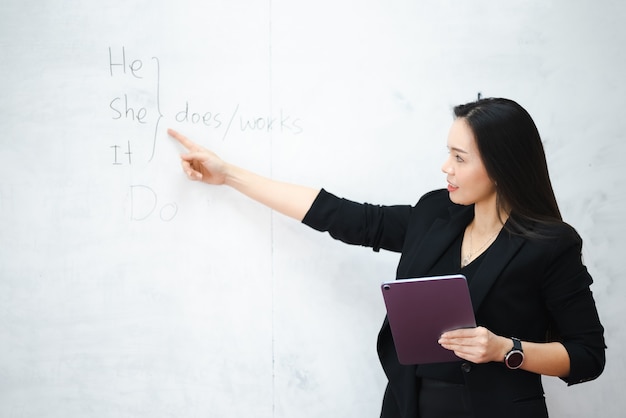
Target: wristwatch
{"x": 515, "y": 357}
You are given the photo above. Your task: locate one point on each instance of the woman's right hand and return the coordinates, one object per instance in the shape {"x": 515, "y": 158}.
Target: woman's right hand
{"x": 199, "y": 163}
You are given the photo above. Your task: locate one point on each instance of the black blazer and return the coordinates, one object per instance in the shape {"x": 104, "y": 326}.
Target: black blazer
{"x": 523, "y": 287}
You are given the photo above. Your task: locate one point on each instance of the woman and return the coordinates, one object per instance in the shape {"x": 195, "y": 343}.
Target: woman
{"x": 498, "y": 223}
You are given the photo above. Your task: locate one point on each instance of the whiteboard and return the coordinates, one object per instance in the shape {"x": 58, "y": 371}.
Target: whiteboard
{"x": 127, "y": 291}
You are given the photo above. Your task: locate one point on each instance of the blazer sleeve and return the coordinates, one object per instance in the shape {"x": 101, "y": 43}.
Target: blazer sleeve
{"x": 363, "y": 224}
{"x": 573, "y": 310}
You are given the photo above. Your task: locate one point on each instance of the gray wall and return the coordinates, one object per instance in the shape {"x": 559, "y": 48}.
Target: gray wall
{"x": 127, "y": 291}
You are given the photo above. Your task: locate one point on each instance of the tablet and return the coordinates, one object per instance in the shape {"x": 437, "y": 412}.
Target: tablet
{"x": 420, "y": 310}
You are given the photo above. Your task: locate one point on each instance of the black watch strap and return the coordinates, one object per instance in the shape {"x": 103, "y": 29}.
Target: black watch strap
{"x": 517, "y": 344}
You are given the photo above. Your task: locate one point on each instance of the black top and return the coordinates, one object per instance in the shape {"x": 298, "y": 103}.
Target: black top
{"x": 450, "y": 263}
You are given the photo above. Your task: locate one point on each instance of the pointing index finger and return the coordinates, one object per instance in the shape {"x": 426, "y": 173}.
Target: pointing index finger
{"x": 186, "y": 142}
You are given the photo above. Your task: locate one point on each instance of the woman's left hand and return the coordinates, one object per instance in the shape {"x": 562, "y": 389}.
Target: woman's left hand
{"x": 478, "y": 345}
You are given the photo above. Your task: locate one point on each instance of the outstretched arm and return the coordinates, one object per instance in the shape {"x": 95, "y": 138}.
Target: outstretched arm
{"x": 203, "y": 165}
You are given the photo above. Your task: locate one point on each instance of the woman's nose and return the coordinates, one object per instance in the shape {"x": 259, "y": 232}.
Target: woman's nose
{"x": 446, "y": 168}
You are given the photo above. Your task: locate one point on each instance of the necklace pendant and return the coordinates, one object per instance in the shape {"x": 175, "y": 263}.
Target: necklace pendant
{"x": 465, "y": 261}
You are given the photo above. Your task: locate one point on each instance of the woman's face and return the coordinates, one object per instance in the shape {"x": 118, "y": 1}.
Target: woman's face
{"x": 467, "y": 178}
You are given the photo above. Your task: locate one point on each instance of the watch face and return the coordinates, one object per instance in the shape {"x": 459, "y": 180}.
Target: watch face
{"x": 514, "y": 359}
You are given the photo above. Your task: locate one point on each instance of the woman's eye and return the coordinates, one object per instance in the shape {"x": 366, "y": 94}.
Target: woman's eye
{"x": 458, "y": 158}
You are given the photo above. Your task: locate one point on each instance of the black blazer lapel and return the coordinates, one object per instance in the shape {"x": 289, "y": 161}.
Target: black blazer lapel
{"x": 440, "y": 235}
{"x": 496, "y": 259}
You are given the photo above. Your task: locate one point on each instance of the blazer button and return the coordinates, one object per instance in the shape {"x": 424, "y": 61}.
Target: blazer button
{"x": 466, "y": 367}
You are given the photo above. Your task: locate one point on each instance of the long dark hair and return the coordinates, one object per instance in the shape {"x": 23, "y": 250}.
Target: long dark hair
{"x": 513, "y": 155}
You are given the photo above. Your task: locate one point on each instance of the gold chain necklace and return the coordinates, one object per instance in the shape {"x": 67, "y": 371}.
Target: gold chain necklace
{"x": 468, "y": 258}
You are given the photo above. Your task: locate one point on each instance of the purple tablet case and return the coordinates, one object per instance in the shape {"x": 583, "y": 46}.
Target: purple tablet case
{"x": 420, "y": 310}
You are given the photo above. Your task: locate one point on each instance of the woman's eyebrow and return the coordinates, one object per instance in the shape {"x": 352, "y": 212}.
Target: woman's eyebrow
{"x": 458, "y": 150}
